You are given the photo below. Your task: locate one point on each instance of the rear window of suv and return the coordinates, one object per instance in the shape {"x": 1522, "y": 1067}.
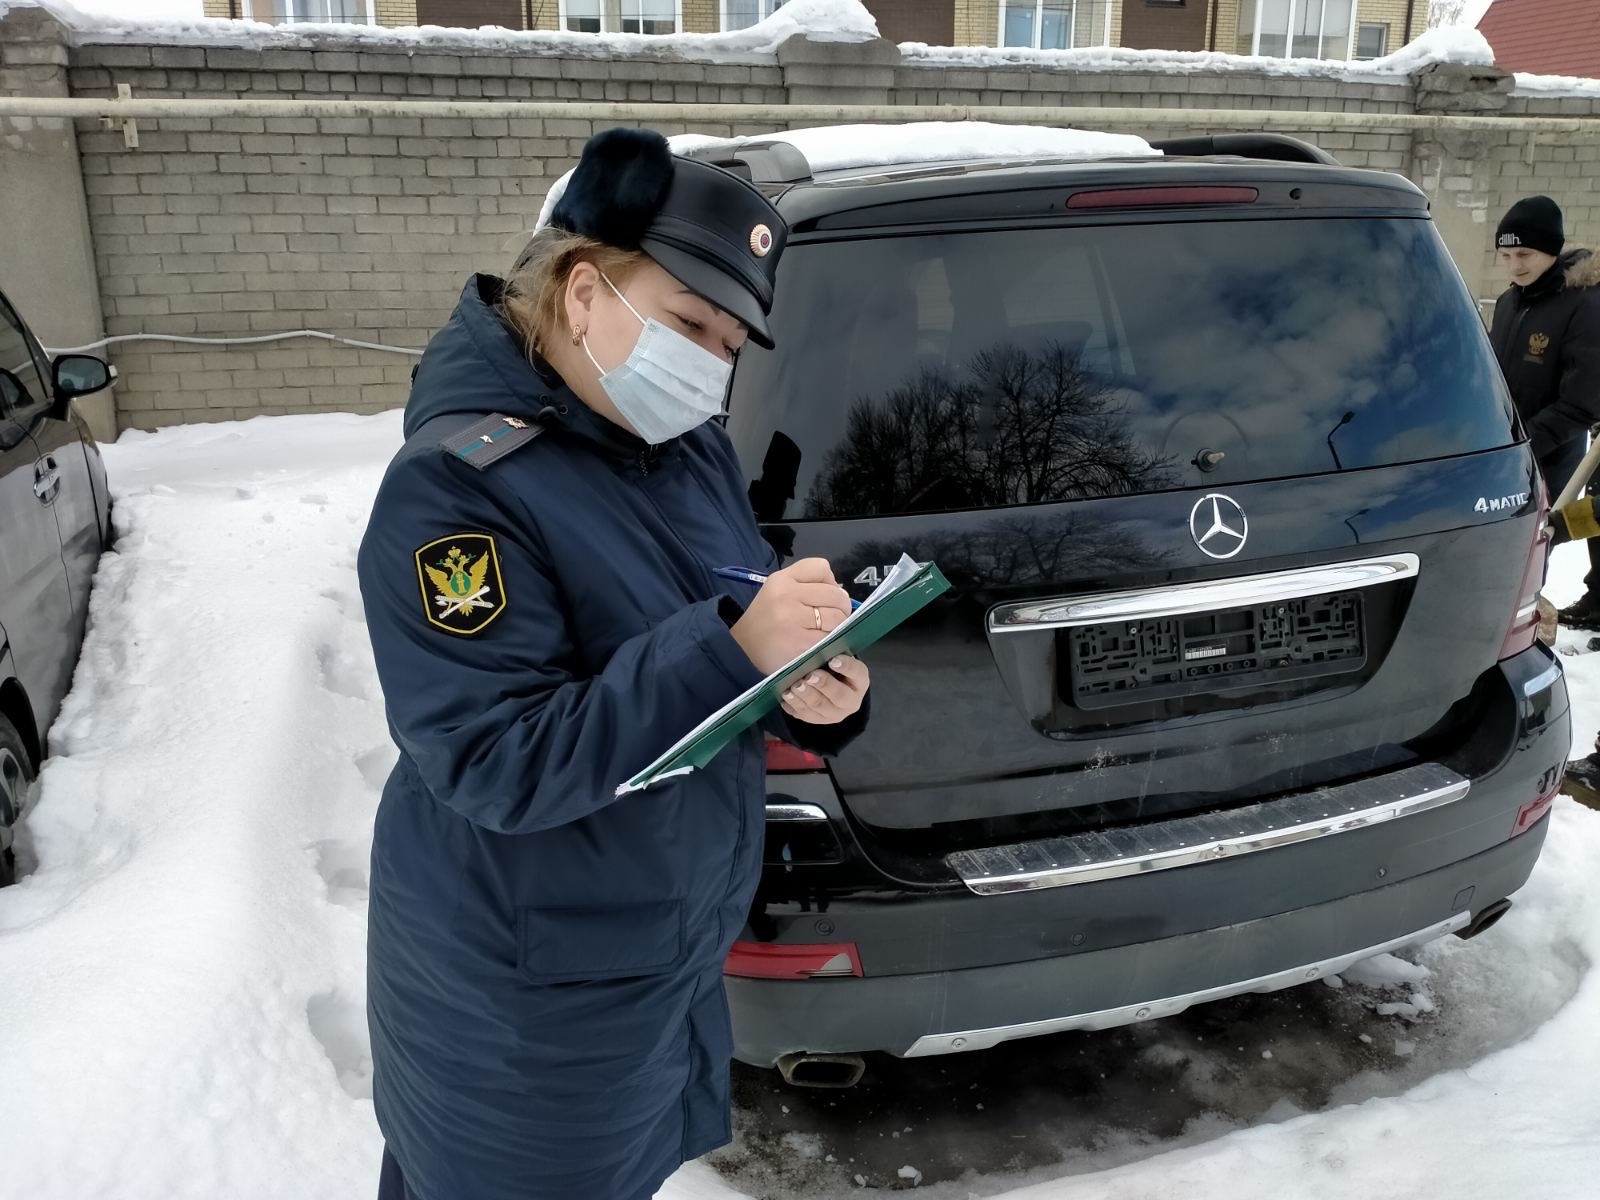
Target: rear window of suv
{"x": 978, "y": 370}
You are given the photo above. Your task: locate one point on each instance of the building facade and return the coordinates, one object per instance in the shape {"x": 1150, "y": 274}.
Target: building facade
{"x": 1326, "y": 29}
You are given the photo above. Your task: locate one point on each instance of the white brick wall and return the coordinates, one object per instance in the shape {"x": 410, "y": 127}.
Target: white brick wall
{"x": 367, "y": 227}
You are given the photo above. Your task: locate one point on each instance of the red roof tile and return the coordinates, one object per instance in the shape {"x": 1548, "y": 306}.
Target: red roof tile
{"x": 1545, "y": 37}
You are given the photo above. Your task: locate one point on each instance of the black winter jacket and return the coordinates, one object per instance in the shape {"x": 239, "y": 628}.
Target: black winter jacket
{"x": 1547, "y": 338}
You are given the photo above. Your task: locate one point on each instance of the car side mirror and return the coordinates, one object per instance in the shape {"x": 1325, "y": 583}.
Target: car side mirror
{"x": 80, "y": 375}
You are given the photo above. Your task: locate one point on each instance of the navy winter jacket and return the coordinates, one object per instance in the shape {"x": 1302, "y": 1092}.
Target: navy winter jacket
{"x": 544, "y": 960}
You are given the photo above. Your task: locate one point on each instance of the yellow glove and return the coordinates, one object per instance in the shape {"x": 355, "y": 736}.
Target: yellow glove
{"x": 1576, "y": 522}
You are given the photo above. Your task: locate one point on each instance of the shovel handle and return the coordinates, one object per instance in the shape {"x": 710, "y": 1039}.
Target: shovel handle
{"x": 1580, "y": 477}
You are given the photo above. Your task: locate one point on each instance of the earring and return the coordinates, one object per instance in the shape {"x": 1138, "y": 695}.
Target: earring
{"x": 577, "y": 335}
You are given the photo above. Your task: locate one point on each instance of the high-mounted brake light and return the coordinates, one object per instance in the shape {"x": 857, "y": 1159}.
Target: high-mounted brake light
{"x": 1163, "y": 197}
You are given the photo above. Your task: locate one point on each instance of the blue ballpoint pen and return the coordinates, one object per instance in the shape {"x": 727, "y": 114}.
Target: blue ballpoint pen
{"x": 757, "y": 578}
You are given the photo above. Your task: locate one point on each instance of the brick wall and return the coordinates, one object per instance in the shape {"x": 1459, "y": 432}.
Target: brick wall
{"x": 701, "y": 16}
{"x": 930, "y": 21}
{"x": 977, "y": 23}
{"x": 1004, "y": 85}
{"x": 397, "y": 13}
{"x": 1393, "y": 14}
{"x": 468, "y": 14}
{"x": 1165, "y": 26}
{"x": 362, "y": 227}
{"x": 367, "y": 227}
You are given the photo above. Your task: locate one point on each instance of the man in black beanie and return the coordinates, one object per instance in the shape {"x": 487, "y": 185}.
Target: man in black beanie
{"x": 1546, "y": 334}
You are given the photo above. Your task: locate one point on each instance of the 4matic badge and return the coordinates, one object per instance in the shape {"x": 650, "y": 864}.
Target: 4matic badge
{"x": 1488, "y": 504}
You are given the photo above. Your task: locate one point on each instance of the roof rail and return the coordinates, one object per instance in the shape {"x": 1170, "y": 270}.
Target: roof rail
{"x": 759, "y": 162}
{"x": 1277, "y": 146}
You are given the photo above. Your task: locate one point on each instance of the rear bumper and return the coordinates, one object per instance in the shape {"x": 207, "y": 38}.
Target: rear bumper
{"x": 1114, "y": 951}
{"x": 951, "y": 1011}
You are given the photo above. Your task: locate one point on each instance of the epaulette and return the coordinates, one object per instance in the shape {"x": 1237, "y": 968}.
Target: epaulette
{"x": 486, "y": 442}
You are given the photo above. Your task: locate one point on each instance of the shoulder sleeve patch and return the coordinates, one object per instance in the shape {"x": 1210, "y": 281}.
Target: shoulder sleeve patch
{"x": 462, "y": 590}
{"x": 486, "y": 442}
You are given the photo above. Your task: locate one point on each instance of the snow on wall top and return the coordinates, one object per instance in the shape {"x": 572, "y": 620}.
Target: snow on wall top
{"x": 819, "y": 20}
{"x": 1455, "y": 44}
{"x": 1545, "y": 87}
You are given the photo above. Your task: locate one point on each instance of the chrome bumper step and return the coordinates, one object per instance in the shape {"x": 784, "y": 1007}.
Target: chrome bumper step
{"x": 1168, "y": 1006}
{"x": 1189, "y": 841}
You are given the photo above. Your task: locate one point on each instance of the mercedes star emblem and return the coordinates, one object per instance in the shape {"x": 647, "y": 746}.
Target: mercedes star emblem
{"x": 1218, "y": 525}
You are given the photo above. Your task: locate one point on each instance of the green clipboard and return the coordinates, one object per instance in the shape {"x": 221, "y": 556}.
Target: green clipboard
{"x": 907, "y": 589}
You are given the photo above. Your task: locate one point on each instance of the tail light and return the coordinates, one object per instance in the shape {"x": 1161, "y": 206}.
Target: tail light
{"x": 763, "y": 960}
{"x": 1525, "y": 620}
{"x": 1162, "y": 197}
{"x": 784, "y": 759}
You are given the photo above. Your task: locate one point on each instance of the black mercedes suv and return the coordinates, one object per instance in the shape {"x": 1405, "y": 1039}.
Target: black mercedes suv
{"x": 1237, "y": 683}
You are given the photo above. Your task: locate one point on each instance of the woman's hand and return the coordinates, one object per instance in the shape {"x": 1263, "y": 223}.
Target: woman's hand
{"x": 828, "y": 697}
{"x": 794, "y": 610}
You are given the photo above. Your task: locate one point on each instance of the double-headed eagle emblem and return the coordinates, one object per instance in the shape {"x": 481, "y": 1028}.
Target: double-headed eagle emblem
{"x": 460, "y": 578}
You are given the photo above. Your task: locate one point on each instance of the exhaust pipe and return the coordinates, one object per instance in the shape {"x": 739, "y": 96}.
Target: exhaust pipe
{"x": 822, "y": 1070}
{"x": 1485, "y": 919}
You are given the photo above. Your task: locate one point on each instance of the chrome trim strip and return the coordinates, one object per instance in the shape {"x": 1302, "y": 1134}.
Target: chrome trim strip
{"x": 1167, "y": 1006}
{"x": 1189, "y": 841}
{"x": 1208, "y": 595}
{"x": 1544, "y": 680}
{"x": 796, "y": 812}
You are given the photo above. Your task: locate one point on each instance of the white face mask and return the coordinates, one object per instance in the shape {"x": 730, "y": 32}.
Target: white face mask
{"x": 668, "y": 386}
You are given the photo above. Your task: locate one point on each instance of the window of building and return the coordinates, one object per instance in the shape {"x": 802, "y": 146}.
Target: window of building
{"x": 307, "y": 12}
{"x": 583, "y": 16}
{"x": 650, "y": 16}
{"x": 1055, "y": 24}
{"x": 1372, "y": 41}
{"x": 1296, "y": 28}
{"x": 622, "y": 16}
{"x": 741, "y": 14}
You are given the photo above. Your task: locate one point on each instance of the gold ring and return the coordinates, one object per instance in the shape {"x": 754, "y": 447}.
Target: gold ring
{"x": 817, "y": 613}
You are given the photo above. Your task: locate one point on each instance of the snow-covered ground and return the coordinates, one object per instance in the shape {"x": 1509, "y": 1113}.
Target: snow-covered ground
{"x": 183, "y": 967}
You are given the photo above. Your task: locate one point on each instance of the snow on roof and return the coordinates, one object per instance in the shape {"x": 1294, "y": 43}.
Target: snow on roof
{"x": 1448, "y": 45}
{"x": 843, "y": 147}
{"x": 819, "y": 20}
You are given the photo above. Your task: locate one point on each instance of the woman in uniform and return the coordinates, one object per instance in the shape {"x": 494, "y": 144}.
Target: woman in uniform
{"x": 544, "y": 959}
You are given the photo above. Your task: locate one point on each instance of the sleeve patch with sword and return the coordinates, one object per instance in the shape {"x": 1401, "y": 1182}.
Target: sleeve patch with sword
{"x": 460, "y": 579}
